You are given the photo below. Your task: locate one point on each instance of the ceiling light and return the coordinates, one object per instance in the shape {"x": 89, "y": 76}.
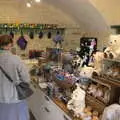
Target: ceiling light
{"x": 37, "y": 1}
{"x": 28, "y": 4}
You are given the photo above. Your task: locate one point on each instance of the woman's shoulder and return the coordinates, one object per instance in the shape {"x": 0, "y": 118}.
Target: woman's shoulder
{"x": 16, "y": 59}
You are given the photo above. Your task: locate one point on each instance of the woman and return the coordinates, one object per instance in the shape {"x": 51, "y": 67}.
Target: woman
{"x": 10, "y": 107}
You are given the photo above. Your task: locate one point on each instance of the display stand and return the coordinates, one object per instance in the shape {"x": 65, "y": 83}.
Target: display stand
{"x": 111, "y": 83}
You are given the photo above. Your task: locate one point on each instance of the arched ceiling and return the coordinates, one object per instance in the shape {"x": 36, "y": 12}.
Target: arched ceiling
{"x": 110, "y": 9}
{"x": 77, "y": 12}
{"x": 12, "y": 11}
{"x": 83, "y": 12}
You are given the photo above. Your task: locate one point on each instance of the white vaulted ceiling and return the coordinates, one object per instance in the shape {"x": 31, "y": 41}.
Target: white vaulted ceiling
{"x": 68, "y": 12}
{"x": 110, "y": 9}
{"x": 16, "y": 11}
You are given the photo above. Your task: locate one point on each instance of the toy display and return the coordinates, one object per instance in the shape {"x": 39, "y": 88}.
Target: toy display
{"x": 22, "y": 42}
{"x": 86, "y": 72}
{"x": 98, "y": 58}
{"x": 100, "y": 92}
{"x": 113, "y": 50}
{"x": 92, "y": 89}
{"x": 113, "y": 71}
{"x": 97, "y": 69}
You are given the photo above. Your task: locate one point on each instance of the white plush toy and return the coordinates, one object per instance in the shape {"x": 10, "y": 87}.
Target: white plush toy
{"x": 98, "y": 62}
{"x": 87, "y": 72}
{"x": 77, "y": 102}
{"x": 77, "y": 62}
{"x": 113, "y": 49}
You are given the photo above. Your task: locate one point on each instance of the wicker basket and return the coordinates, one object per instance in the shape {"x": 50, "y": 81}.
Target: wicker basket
{"x": 65, "y": 84}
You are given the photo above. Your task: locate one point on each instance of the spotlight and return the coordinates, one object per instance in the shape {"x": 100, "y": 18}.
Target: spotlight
{"x": 37, "y": 1}
{"x": 28, "y": 4}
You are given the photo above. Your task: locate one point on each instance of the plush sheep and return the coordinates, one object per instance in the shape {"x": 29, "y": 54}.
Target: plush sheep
{"x": 113, "y": 49}
{"x": 77, "y": 102}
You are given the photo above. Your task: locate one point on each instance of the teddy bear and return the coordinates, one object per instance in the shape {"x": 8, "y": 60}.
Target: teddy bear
{"x": 98, "y": 62}
{"x": 77, "y": 102}
{"x": 113, "y": 49}
{"x": 92, "y": 89}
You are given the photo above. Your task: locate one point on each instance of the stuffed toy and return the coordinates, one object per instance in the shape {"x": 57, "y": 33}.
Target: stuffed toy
{"x": 87, "y": 115}
{"x": 22, "y": 42}
{"x": 113, "y": 71}
{"x": 92, "y": 89}
{"x": 77, "y": 62}
{"x": 98, "y": 58}
{"x": 95, "y": 115}
{"x": 86, "y": 72}
{"x": 106, "y": 97}
{"x": 77, "y": 102}
{"x": 113, "y": 50}
{"x": 99, "y": 92}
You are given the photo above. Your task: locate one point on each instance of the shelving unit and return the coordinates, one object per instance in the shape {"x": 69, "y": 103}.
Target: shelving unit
{"x": 111, "y": 83}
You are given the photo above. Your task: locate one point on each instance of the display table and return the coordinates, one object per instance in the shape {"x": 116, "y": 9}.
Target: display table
{"x": 44, "y": 108}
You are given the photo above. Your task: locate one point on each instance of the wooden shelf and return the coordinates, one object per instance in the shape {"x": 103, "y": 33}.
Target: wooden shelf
{"x": 107, "y": 81}
{"x": 112, "y": 60}
{"x": 95, "y": 103}
{"x": 101, "y": 82}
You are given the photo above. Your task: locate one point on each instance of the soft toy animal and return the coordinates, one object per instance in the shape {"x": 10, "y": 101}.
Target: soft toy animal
{"x": 98, "y": 58}
{"x": 92, "y": 89}
{"x": 86, "y": 72}
{"x": 77, "y": 102}
{"x": 113, "y": 49}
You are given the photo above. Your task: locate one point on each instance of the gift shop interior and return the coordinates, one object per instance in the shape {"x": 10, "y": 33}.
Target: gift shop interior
{"x": 72, "y": 51}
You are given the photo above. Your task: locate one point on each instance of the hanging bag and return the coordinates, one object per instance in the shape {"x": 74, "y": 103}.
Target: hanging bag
{"x": 23, "y": 89}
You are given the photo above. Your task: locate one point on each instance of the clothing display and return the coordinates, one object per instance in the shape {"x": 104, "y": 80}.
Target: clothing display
{"x": 31, "y": 35}
{"x": 40, "y": 35}
{"x": 22, "y": 42}
{"x": 12, "y": 34}
{"x": 49, "y": 35}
